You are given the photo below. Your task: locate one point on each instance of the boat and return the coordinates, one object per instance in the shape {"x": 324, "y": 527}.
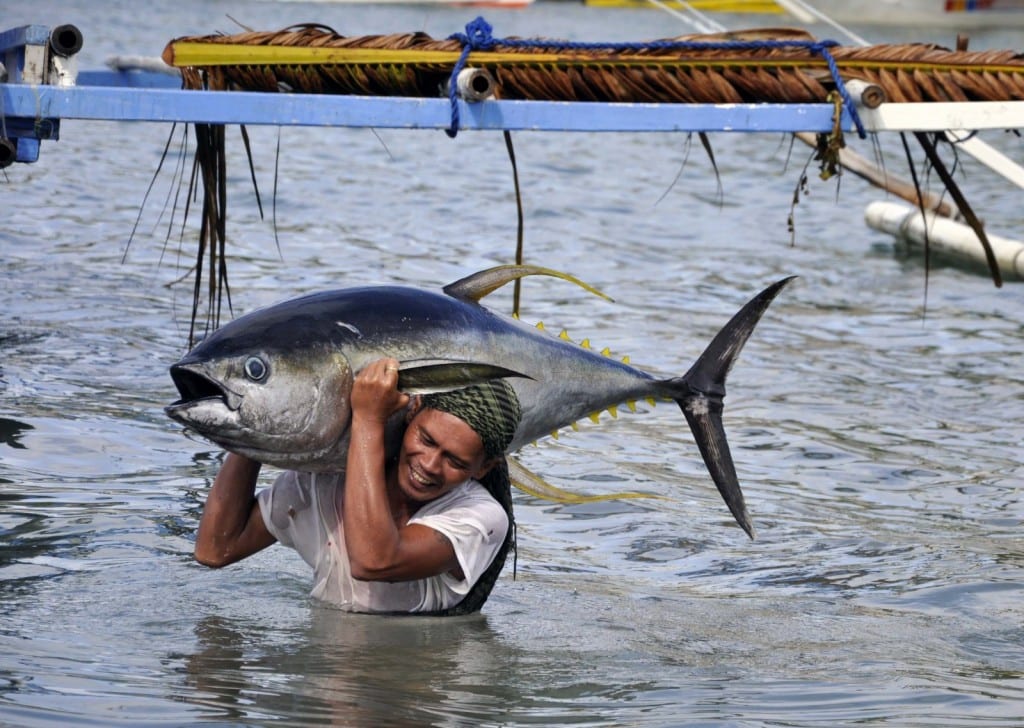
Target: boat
{"x": 310, "y": 76}
{"x": 961, "y": 15}
{"x": 453, "y": 3}
{"x": 753, "y": 7}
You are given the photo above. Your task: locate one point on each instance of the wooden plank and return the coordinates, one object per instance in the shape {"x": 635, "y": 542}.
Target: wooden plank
{"x": 220, "y": 107}
{"x": 971, "y": 115}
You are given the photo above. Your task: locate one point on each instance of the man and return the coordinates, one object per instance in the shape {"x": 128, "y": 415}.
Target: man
{"x": 409, "y": 533}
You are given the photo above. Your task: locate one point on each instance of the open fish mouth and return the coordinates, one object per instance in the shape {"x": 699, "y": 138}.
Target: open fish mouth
{"x": 195, "y": 387}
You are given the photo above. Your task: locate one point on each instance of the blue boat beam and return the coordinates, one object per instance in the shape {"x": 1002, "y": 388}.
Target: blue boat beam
{"x": 141, "y": 103}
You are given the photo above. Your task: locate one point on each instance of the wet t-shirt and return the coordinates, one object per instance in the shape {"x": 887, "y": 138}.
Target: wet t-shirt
{"x": 300, "y": 511}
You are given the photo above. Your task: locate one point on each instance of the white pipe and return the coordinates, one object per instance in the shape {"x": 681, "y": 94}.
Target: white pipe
{"x": 475, "y": 84}
{"x": 953, "y": 240}
{"x": 869, "y": 95}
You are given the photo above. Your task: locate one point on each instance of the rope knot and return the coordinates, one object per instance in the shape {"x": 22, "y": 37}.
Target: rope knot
{"x": 477, "y": 36}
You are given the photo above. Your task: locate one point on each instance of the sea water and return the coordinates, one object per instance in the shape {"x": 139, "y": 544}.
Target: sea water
{"x": 875, "y": 418}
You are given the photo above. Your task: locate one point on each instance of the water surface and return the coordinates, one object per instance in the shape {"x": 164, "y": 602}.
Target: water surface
{"x": 875, "y": 422}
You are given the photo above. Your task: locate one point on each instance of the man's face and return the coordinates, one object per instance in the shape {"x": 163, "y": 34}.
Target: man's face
{"x": 439, "y": 453}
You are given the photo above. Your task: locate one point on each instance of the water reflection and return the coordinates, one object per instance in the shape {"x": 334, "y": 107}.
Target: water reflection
{"x": 345, "y": 669}
{"x": 11, "y": 432}
{"x": 25, "y": 544}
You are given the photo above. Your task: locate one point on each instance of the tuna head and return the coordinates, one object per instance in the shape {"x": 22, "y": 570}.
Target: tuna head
{"x": 282, "y": 406}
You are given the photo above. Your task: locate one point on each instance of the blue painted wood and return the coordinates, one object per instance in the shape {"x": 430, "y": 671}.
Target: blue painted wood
{"x": 20, "y": 127}
{"x": 163, "y": 104}
{"x": 128, "y": 79}
{"x": 28, "y": 150}
{"x": 24, "y": 35}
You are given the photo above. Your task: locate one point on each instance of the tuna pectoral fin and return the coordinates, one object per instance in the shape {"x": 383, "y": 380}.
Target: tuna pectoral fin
{"x": 704, "y": 392}
{"x": 426, "y": 376}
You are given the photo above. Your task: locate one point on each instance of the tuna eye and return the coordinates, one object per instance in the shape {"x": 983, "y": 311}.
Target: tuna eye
{"x": 255, "y": 369}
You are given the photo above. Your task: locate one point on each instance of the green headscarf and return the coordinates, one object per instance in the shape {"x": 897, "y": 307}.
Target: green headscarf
{"x": 491, "y": 409}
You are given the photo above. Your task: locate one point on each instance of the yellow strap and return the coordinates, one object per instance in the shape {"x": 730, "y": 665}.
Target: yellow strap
{"x": 192, "y": 53}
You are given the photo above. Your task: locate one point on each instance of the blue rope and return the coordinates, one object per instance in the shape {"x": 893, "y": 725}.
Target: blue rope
{"x": 478, "y": 37}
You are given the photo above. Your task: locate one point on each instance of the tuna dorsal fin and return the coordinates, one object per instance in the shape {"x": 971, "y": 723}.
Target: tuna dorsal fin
{"x": 426, "y": 376}
{"x": 476, "y": 286}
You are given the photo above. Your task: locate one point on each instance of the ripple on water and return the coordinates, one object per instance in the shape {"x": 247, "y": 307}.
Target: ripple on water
{"x": 875, "y": 430}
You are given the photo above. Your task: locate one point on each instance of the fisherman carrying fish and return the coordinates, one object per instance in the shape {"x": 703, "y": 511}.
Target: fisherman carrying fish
{"x": 423, "y": 530}
{"x": 311, "y": 385}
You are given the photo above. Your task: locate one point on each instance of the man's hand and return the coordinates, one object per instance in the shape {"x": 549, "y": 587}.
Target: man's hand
{"x": 375, "y": 395}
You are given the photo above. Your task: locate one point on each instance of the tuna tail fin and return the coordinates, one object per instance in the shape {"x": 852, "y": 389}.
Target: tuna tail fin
{"x": 703, "y": 394}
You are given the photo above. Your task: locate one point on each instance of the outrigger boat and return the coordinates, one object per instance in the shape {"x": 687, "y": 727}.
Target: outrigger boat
{"x": 456, "y": 3}
{"x": 753, "y": 81}
{"x": 958, "y": 15}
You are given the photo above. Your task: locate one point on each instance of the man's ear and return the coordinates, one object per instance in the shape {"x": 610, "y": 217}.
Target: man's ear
{"x": 486, "y": 468}
{"x": 415, "y": 405}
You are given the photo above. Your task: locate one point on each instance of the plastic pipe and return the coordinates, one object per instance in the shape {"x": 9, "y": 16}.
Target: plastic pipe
{"x": 65, "y": 40}
{"x": 955, "y": 241}
{"x": 475, "y": 84}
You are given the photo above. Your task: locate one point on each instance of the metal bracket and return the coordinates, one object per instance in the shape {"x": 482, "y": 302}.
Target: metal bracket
{"x": 34, "y": 55}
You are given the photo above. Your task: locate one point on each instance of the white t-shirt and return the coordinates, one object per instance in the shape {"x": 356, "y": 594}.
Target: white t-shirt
{"x": 299, "y": 510}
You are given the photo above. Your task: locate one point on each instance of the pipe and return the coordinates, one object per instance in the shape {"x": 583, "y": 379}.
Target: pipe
{"x": 954, "y": 241}
{"x": 8, "y": 153}
{"x": 475, "y": 84}
{"x": 66, "y": 40}
{"x": 870, "y": 95}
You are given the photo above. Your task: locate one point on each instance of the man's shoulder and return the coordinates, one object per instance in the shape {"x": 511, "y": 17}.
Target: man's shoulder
{"x": 469, "y": 495}
{"x": 471, "y": 490}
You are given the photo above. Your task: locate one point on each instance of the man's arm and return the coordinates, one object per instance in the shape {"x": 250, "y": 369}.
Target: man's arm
{"x": 378, "y": 549}
{"x": 232, "y": 526}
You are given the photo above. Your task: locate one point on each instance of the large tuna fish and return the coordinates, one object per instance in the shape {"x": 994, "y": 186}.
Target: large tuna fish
{"x": 274, "y": 384}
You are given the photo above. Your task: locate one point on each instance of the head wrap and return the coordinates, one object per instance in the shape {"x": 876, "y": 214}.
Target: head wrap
{"x": 491, "y": 409}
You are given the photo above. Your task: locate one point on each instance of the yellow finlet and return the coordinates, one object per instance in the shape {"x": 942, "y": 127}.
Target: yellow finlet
{"x": 625, "y": 359}
{"x": 585, "y": 343}
{"x": 631, "y": 403}
{"x": 564, "y": 336}
{"x": 595, "y": 417}
{"x": 554, "y": 434}
{"x": 540, "y": 325}
{"x": 576, "y": 426}
{"x": 651, "y": 401}
{"x": 606, "y": 351}
{"x": 613, "y": 411}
